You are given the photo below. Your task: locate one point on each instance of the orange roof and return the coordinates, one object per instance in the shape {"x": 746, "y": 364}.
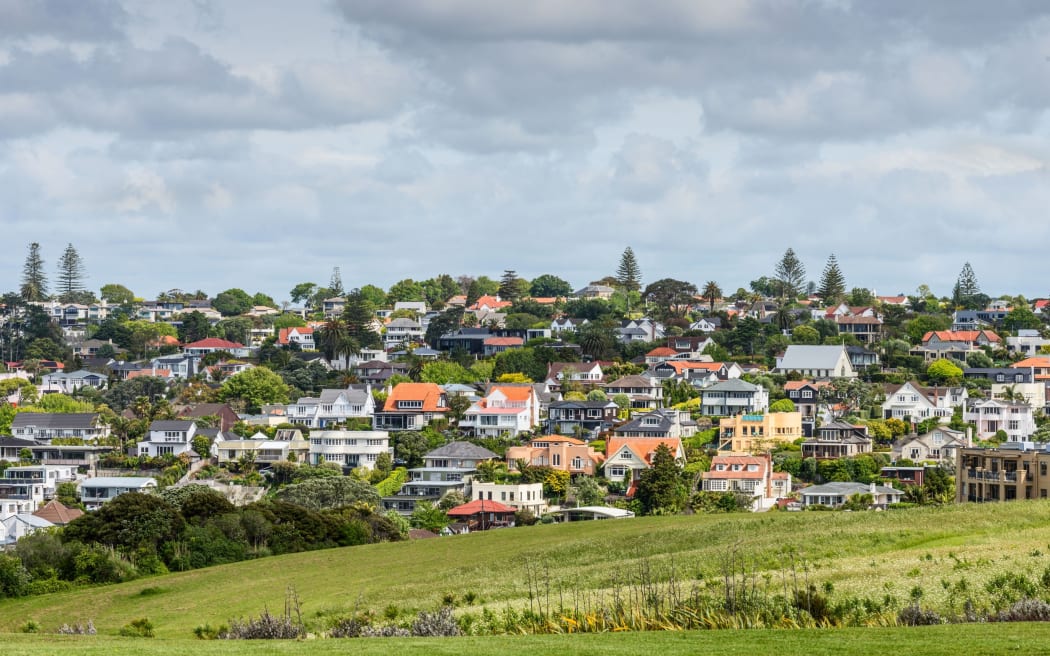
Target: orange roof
{"x": 57, "y": 513}
{"x": 513, "y": 392}
{"x": 429, "y": 393}
{"x": 1033, "y": 362}
{"x": 960, "y": 335}
{"x": 480, "y": 506}
{"x": 282, "y": 336}
{"x": 799, "y": 384}
{"x": 490, "y": 301}
{"x": 643, "y": 447}
{"x": 660, "y": 351}
{"x": 503, "y": 341}
{"x": 681, "y": 365}
{"x": 161, "y": 373}
{"x": 545, "y": 300}
{"x": 559, "y": 438}
{"x": 165, "y": 340}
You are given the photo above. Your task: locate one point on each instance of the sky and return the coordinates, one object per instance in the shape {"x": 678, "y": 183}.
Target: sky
{"x": 202, "y": 144}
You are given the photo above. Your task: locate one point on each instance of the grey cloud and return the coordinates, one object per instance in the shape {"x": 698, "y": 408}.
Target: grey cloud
{"x": 93, "y": 20}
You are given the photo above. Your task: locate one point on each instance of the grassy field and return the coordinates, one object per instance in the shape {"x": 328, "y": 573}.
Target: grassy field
{"x": 929, "y": 641}
{"x": 875, "y": 554}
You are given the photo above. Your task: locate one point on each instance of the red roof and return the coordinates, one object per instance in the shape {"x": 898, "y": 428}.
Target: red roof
{"x": 799, "y": 384}
{"x": 504, "y": 341}
{"x": 282, "y": 336}
{"x": 57, "y": 513}
{"x": 490, "y": 301}
{"x": 1033, "y": 362}
{"x": 429, "y": 393}
{"x": 214, "y": 343}
{"x": 479, "y": 506}
{"x": 960, "y": 335}
{"x": 661, "y": 351}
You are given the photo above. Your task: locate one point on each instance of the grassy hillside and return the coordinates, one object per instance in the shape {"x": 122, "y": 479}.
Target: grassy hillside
{"x": 872, "y": 554}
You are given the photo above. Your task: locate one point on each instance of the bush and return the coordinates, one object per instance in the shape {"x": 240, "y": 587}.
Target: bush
{"x": 30, "y": 626}
{"x": 140, "y": 628}
{"x": 392, "y": 484}
{"x": 264, "y": 627}
{"x": 77, "y": 629}
{"x": 208, "y": 632}
{"x": 915, "y": 616}
{"x": 1025, "y": 610}
{"x": 439, "y": 624}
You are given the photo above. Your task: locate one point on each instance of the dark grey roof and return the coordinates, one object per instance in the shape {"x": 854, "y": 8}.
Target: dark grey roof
{"x": 583, "y": 404}
{"x": 54, "y": 420}
{"x": 8, "y": 441}
{"x": 462, "y": 450}
{"x": 126, "y": 366}
{"x": 170, "y": 425}
{"x": 734, "y": 385}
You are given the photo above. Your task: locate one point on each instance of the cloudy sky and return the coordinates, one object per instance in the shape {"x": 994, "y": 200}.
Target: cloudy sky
{"x": 207, "y": 144}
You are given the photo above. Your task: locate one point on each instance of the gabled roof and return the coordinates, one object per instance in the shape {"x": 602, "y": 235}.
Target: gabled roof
{"x": 662, "y": 351}
{"x": 805, "y": 356}
{"x": 642, "y": 447}
{"x": 799, "y": 384}
{"x": 633, "y": 381}
{"x": 559, "y": 438}
{"x": 734, "y": 385}
{"x": 429, "y": 393}
{"x": 478, "y": 506}
{"x": 513, "y": 392}
{"x": 214, "y": 343}
{"x": 503, "y": 341}
{"x": 579, "y": 367}
{"x": 170, "y": 425}
{"x": 961, "y": 335}
{"x": 57, "y": 513}
{"x": 462, "y": 450}
{"x": 1032, "y": 362}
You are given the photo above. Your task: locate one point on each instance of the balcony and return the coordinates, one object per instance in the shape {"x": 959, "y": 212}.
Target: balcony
{"x": 1000, "y": 476}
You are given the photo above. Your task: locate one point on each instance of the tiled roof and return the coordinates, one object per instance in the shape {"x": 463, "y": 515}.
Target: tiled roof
{"x": 57, "y": 513}
{"x": 1032, "y": 362}
{"x": 214, "y": 343}
{"x": 504, "y": 341}
{"x": 960, "y": 335}
{"x": 643, "y": 447}
{"x": 661, "y": 351}
{"x": 429, "y": 393}
{"x": 480, "y": 506}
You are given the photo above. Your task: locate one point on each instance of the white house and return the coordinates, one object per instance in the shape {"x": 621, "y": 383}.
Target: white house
{"x": 69, "y": 383}
{"x": 992, "y": 415}
{"x": 213, "y": 344}
{"x": 168, "y": 438}
{"x": 734, "y": 397}
{"x": 836, "y": 494}
{"x": 45, "y": 426}
{"x": 15, "y": 527}
{"x": 287, "y": 445}
{"x": 509, "y": 409}
{"x": 40, "y": 481}
{"x": 938, "y": 445}
{"x": 349, "y": 448}
{"x": 816, "y": 361}
{"x": 333, "y": 406}
{"x": 96, "y": 491}
{"x": 628, "y": 457}
{"x": 402, "y": 330}
{"x": 913, "y": 402}
{"x": 750, "y": 475}
{"x": 521, "y": 496}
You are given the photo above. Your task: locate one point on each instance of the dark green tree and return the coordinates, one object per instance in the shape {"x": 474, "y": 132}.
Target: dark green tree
{"x": 70, "y": 279}
{"x": 232, "y": 302}
{"x": 712, "y": 292}
{"x": 549, "y": 285}
{"x": 194, "y": 327}
{"x": 661, "y": 489}
{"x": 405, "y": 290}
{"x": 598, "y": 339}
{"x": 509, "y": 286}
{"x": 34, "y": 280}
{"x": 302, "y": 292}
{"x": 790, "y": 275}
{"x": 669, "y": 298}
{"x": 628, "y": 274}
{"x": 966, "y": 288}
{"x": 832, "y": 287}
{"x": 335, "y": 284}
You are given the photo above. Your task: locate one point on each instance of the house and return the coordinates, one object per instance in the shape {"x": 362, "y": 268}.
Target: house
{"x": 837, "y": 440}
{"x": 1019, "y": 381}
{"x": 520, "y": 496}
{"x": 706, "y": 324}
{"x": 1028, "y": 342}
{"x": 603, "y": 292}
{"x": 168, "y": 438}
{"x": 378, "y": 372}
{"x": 15, "y": 527}
{"x": 862, "y": 358}
{"x": 302, "y": 336}
{"x": 734, "y": 397}
{"x": 471, "y": 340}
{"x": 938, "y": 445}
{"x": 178, "y": 365}
{"x": 750, "y": 475}
{"x": 690, "y": 347}
{"x": 661, "y": 423}
{"x": 698, "y": 373}
{"x": 57, "y": 513}
{"x": 913, "y": 403}
{"x": 482, "y": 515}
{"x": 1015, "y": 470}
{"x": 96, "y": 491}
{"x": 645, "y": 393}
{"x": 867, "y": 329}
{"x": 992, "y": 415}
{"x": 11, "y": 447}
{"x": 333, "y": 307}
{"x": 78, "y": 455}
{"x": 348, "y": 448}
{"x": 557, "y": 451}
{"x": 834, "y": 495}
{"x": 42, "y": 480}
{"x": 588, "y": 374}
{"x": 755, "y": 433}
{"x": 955, "y": 344}
{"x": 494, "y": 345}
{"x": 214, "y": 344}
{"x": 627, "y": 457}
{"x": 45, "y": 426}
{"x": 567, "y": 324}
{"x": 820, "y": 362}
{"x": 226, "y": 415}
{"x": 402, "y": 331}
{"x": 505, "y": 409}
{"x": 333, "y": 406}
{"x": 447, "y": 468}
{"x": 69, "y": 383}
{"x": 581, "y": 418}
{"x": 488, "y": 304}
{"x": 411, "y": 406}
{"x": 287, "y": 445}
{"x": 805, "y": 394}
{"x": 640, "y": 330}
{"x": 660, "y": 354}
{"x": 969, "y": 320}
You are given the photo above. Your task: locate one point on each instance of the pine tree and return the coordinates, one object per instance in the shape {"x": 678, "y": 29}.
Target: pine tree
{"x": 335, "y": 285}
{"x": 832, "y": 283}
{"x": 70, "y": 274}
{"x": 966, "y": 288}
{"x": 509, "y": 286}
{"x": 790, "y": 275}
{"x": 628, "y": 275}
{"x": 34, "y": 281}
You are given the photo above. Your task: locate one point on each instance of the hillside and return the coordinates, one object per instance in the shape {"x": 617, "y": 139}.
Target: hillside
{"x": 877, "y": 554}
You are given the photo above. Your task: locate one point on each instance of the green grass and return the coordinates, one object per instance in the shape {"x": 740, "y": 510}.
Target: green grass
{"x": 871, "y": 554}
{"x": 929, "y": 641}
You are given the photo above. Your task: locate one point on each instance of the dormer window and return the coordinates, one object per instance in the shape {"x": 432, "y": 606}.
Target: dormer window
{"x": 625, "y": 455}
{"x": 410, "y": 405}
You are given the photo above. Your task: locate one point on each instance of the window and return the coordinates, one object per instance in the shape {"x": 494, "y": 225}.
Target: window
{"x": 577, "y": 463}
{"x": 556, "y": 459}
{"x": 625, "y": 455}
{"x": 807, "y": 394}
{"x": 410, "y": 405}
{"x": 617, "y": 472}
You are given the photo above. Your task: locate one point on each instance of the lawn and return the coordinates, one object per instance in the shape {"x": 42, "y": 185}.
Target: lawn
{"x": 929, "y": 641}
{"x": 872, "y": 554}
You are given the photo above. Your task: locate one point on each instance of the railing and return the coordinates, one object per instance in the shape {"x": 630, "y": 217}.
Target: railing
{"x": 1006, "y": 476}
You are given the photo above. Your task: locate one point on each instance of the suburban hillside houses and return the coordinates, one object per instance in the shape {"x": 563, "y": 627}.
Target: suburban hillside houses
{"x": 411, "y": 406}
{"x": 752, "y": 476}
{"x": 505, "y": 409}
{"x": 817, "y": 362}
{"x": 913, "y": 403}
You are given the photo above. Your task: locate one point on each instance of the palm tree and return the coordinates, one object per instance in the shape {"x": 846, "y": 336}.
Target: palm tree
{"x": 331, "y": 337}
{"x": 712, "y": 292}
{"x": 783, "y": 318}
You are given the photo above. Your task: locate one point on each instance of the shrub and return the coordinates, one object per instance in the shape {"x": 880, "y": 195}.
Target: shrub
{"x": 30, "y": 626}
{"x": 208, "y": 632}
{"x": 140, "y": 628}
{"x": 1025, "y": 610}
{"x": 392, "y": 484}
{"x": 439, "y": 624}
{"x": 264, "y": 627}
{"x": 77, "y": 629}
{"x": 915, "y": 616}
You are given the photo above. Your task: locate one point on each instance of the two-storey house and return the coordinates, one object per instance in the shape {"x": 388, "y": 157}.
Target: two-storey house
{"x": 750, "y": 475}
{"x": 168, "y": 438}
{"x": 912, "y": 402}
{"x": 96, "y": 491}
{"x": 447, "y": 468}
{"x": 758, "y": 433}
{"x": 580, "y": 418}
{"x": 992, "y": 415}
{"x": 627, "y": 457}
{"x": 411, "y": 406}
{"x": 734, "y": 397}
{"x": 586, "y": 374}
{"x": 333, "y": 406}
{"x": 940, "y": 445}
{"x": 645, "y": 392}
{"x": 557, "y": 451}
{"x": 45, "y": 426}
{"x": 665, "y": 422}
{"x": 505, "y": 409}
{"x": 837, "y": 440}
{"x": 348, "y": 448}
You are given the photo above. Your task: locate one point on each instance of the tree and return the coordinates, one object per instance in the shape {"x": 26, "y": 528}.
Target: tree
{"x": 966, "y": 288}
{"x": 447, "y": 322}
{"x": 944, "y": 372}
{"x": 805, "y": 335}
{"x": 832, "y": 287}
{"x": 628, "y": 274}
{"x": 358, "y": 314}
{"x": 405, "y": 290}
{"x": 443, "y": 372}
{"x": 438, "y": 290}
{"x": 302, "y": 292}
{"x": 116, "y": 294}
{"x": 712, "y": 292}
{"x": 783, "y": 405}
{"x": 589, "y": 492}
{"x": 979, "y": 360}
{"x": 232, "y": 302}
{"x": 670, "y": 298}
{"x": 1021, "y": 317}
{"x": 194, "y": 327}
{"x": 70, "y": 279}
{"x": 129, "y": 522}
{"x": 549, "y": 285}
{"x": 335, "y": 283}
{"x": 34, "y": 280}
{"x": 257, "y": 387}
{"x": 661, "y": 489}
{"x": 374, "y": 295}
{"x": 789, "y": 275}
{"x": 410, "y": 447}
{"x": 597, "y": 339}
{"x": 429, "y": 517}
{"x": 510, "y": 288}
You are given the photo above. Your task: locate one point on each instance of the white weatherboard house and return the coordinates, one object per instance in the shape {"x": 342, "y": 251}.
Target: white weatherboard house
{"x": 96, "y": 491}
{"x": 348, "y": 448}
{"x": 168, "y": 438}
{"x": 819, "y": 362}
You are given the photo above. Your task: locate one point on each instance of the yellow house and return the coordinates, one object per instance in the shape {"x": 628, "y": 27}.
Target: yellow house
{"x": 757, "y": 433}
